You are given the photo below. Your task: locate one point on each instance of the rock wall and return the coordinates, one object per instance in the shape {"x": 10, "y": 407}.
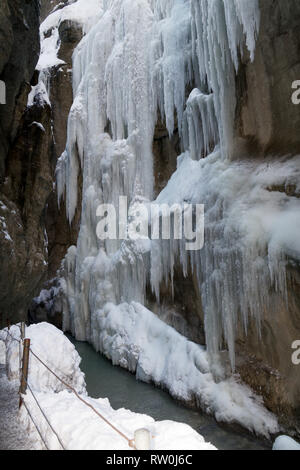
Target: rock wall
{"x": 23, "y": 181}
{"x": 19, "y": 52}
{"x": 267, "y": 122}
{"x": 34, "y": 232}
{"x": 62, "y": 235}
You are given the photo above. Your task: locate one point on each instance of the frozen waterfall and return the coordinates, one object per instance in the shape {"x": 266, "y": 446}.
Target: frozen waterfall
{"x": 138, "y": 60}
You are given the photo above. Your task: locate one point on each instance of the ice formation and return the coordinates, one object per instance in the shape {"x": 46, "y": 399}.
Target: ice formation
{"x": 285, "y": 443}
{"x": 76, "y": 424}
{"x": 139, "y": 59}
{"x": 249, "y": 231}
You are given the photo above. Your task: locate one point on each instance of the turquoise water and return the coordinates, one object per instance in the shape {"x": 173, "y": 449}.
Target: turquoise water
{"x": 124, "y": 391}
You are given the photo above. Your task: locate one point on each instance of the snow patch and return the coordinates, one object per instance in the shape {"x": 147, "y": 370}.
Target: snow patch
{"x": 53, "y": 348}
{"x": 76, "y": 424}
{"x": 285, "y": 443}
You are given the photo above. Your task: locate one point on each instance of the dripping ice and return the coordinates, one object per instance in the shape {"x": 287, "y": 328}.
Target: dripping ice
{"x": 138, "y": 60}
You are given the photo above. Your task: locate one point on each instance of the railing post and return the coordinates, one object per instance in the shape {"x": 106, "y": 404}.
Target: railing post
{"x": 22, "y": 330}
{"x": 142, "y": 439}
{"x": 25, "y": 364}
{"x": 22, "y": 335}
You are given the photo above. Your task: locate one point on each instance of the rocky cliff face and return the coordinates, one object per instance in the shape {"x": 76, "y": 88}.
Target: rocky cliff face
{"x": 23, "y": 176}
{"x": 60, "y": 233}
{"x": 19, "y": 52}
{"x": 267, "y": 122}
{"x": 34, "y": 233}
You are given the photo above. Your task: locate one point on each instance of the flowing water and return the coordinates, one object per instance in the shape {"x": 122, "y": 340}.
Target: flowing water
{"x": 124, "y": 391}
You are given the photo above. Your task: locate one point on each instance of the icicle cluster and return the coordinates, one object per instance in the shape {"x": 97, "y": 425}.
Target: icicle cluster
{"x": 141, "y": 57}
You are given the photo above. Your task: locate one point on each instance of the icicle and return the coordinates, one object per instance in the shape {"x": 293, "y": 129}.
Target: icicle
{"x": 141, "y": 57}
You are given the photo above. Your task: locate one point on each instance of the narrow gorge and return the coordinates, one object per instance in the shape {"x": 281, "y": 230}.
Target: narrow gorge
{"x": 169, "y": 103}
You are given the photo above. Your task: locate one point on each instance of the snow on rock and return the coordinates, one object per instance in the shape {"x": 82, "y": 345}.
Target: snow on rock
{"x": 38, "y": 125}
{"x": 84, "y": 12}
{"x": 54, "y": 349}
{"x": 38, "y": 95}
{"x": 285, "y": 443}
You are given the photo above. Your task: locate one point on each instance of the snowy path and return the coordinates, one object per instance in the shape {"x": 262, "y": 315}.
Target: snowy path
{"x": 11, "y": 435}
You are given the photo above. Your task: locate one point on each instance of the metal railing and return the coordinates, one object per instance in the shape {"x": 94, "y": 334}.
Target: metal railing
{"x": 141, "y": 435}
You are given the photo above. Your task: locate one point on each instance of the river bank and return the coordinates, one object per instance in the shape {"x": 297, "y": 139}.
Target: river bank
{"x": 123, "y": 390}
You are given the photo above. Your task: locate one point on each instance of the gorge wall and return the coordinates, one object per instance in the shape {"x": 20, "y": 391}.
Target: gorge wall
{"x": 23, "y": 169}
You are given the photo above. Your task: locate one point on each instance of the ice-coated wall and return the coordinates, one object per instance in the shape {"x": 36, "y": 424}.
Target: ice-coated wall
{"x": 141, "y": 57}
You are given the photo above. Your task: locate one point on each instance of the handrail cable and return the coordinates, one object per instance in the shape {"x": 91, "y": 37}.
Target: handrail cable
{"x": 40, "y": 408}
{"x": 130, "y": 441}
{"x": 36, "y": 427}
{"x": 43, "y": 413}
{"x": 20, "y": 341}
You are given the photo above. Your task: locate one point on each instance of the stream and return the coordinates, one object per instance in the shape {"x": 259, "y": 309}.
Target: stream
{"x": 124, "y": 391}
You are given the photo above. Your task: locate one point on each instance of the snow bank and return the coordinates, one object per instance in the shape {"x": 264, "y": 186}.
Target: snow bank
{"x": 285, "y": 443}
{"x": 77, "y": 426}
{"x": 54, "y": 349}
{"x": 134, "y": 338}
{"x": 80, "y": 429}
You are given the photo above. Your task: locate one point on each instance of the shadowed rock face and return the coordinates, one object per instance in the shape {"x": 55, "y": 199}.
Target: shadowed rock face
{"x": 267, "y": 121}
{"x": 22, "y": 176}
{"x": 62, "y": 235}
{"x": 34, "y": 233}
{"x": 265, "y": 362}
{"x": 19, "y": 52}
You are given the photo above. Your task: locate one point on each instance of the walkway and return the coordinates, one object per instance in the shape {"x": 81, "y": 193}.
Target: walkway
{"x": 12, "y": 437}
